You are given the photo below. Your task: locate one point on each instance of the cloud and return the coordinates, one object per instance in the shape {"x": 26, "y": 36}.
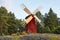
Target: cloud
{"x": 7, "y": 4}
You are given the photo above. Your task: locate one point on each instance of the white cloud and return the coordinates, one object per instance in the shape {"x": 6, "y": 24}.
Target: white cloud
{"x": 7, "y": 4}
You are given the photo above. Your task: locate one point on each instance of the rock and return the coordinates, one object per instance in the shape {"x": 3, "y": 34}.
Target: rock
{"x": 5, "y": 38}
{"x": 26, "y": 37}
{"x": 34, "y": 37}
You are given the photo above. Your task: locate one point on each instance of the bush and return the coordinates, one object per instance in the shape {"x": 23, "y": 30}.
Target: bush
{"x": 57, "y": 30}
{"x": 47, "y": 30}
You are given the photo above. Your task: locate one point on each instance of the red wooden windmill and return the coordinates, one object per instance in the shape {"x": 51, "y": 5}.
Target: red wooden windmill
{"x": 30, "y": 20}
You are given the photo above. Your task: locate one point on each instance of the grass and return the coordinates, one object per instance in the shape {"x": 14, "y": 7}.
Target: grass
{"x": 53, "y": 36}
{"x": 15, "y": 38}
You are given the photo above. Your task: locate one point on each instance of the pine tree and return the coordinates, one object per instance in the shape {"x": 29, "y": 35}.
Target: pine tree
{"x": 51, "y": 20}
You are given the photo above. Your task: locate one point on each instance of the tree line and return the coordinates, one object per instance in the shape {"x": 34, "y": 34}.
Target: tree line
{"x": 50, "y": 21}
{"x": 9, "y": 24}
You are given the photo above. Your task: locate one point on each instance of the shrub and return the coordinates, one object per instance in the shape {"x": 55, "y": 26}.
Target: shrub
{"x": 57, "y": 30}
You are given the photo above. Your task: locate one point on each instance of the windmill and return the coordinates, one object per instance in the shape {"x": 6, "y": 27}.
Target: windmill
{"x": 28, "y": 12}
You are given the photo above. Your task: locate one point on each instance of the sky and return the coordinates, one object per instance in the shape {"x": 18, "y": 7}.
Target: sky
{"x": 43, "y": 5}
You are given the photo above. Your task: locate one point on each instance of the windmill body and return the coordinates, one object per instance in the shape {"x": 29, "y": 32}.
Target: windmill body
{"x": 30, "y": 24}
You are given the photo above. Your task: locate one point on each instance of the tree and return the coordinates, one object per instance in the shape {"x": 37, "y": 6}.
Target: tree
{"x": 8, "y": 23}
{"x": 3, "y": 20}
{"x": 58, "y": 21}
{"x": 12, "y": 28}
{"x": 57, "y": 30}
{"x": 14, "y": 25}
{"x": 50, "y": 20}
{"x": 20, "y": 25}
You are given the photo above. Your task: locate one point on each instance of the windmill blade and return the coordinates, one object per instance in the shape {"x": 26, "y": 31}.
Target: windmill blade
{"x": 38, "y": 20}
{"x": 28, "y": 12}
{"x": 26, "y": 9}
{"x": 38, "y": 9}
{"x": 35, "y": 11}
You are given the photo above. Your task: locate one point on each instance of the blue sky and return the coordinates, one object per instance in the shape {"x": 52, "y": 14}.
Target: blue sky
{"x": 15, "y": 6}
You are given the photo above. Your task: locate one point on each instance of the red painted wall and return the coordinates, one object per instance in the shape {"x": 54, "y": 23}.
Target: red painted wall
{"x": 31, "y": 26}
